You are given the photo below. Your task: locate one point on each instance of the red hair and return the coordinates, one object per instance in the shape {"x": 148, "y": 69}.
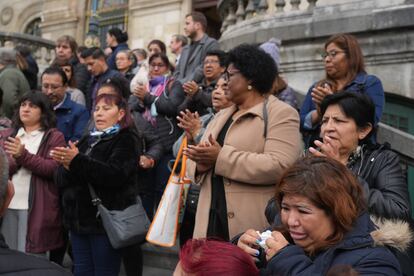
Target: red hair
{"x": 210, "y": 257}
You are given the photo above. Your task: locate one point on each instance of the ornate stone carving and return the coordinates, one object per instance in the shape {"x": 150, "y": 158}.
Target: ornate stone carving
{"x": 6, "y": 15}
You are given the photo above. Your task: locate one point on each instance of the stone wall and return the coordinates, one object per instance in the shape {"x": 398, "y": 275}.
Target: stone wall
{"x": 386, "y": 34}
{"x": 150, "y": 19}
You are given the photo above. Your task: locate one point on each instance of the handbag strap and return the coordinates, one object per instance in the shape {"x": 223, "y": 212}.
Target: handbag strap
{"x": 95, "y": 199}
{"x": 180, "y": 156}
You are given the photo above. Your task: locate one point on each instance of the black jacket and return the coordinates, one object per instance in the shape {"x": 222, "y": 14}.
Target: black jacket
{"x": 167, "y": 109}
{"x": 15, "y": 263}
{"x": 379, "y": 171}
{"x": 110, "y": 168}
{"x": 82, "y": 75}
{"x": 151, "y": 144}
{"x": 201, "y": 101}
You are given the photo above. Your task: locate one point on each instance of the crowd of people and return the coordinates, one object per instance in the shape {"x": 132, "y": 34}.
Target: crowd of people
{"x": 335, "y": 202}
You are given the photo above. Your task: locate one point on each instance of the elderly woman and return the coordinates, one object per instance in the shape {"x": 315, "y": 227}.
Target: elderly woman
{"x": 244, "y": 150}
{"x": 125, "y": 62}
{"x": 347, "y": 125}
{"x": 106, "y": 159}
{"x": 345, "y": 70}
{"x": 33, "y": 222}
{"x": 325, "y": 223}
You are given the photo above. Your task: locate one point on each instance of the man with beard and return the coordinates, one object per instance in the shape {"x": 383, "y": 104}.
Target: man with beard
{"x": 72, "y": 117}
{"x": 190, "y": 66}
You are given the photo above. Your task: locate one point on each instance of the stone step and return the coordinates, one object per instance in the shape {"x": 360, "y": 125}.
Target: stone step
{"x": 160, "y": 257}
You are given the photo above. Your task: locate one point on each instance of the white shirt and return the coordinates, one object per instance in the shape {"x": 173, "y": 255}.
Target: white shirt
{"x": 21, "y": 179}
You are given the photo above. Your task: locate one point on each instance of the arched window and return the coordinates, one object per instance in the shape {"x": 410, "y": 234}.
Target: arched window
{"x": 33, "y": 28}
{"x": 111, "y": 13}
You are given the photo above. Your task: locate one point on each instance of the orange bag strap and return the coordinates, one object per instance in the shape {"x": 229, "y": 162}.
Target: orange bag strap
{"x": 181, "y": 157}
{"x": 183, "y": 160}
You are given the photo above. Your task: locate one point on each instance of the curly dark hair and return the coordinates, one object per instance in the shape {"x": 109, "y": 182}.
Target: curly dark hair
{"x": 255, "y": 65}
{"x": 48, "y": 117}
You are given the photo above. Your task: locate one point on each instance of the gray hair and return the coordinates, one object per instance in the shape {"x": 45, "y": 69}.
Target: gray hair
{"x": 7, "y": 56}
{"x": 182, "y": 38}
{"x": 4, "y": 176}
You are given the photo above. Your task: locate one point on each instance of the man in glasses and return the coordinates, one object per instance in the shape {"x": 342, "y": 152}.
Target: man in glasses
{"x": 71, "y": 116}
{"x": 198, "y": 95}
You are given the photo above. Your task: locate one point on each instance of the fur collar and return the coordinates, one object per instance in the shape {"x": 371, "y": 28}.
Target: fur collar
{"x": 393, "y": 233}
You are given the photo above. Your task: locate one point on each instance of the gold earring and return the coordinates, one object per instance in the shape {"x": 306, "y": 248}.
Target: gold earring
{"x": 249, "y": 87}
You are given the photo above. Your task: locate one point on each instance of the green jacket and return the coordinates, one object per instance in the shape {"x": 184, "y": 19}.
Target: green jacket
{"x": 14, "y": 85}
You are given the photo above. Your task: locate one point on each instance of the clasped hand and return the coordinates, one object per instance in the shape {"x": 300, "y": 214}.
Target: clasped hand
{"x": 190, "y": 123}
{"x": 204, "y": 154}
{"x": 249, "y": 243}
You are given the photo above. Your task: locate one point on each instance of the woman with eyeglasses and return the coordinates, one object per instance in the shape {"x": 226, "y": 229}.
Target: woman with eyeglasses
{"x": 158, "y": 103}
{"x": 244, "y": 149}
{"x": 345, "y": 71}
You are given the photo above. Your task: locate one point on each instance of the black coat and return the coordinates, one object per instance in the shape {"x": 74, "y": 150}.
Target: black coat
{"x": 379, "y": 171}
{"x": 82, "y": 76}
{"x": 110, "y": 168}
{"x": 201, "y": 101}
{"x": 16, "y": 263}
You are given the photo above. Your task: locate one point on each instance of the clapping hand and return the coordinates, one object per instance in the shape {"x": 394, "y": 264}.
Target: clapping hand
{"x": 320, "y": 92}
{"x": 204, "y": 154}
{"x": 140, "y": 91}
{"x": 14, "y": 146}
{"x": 190, "y": 88}
{"x": 190, "y": 123}
{"x": 65, "y": 155}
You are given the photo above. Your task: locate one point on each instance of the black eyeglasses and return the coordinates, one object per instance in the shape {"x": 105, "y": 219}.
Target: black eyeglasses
{"x": 228, "y": 74}
{"x": 331, "y": 54}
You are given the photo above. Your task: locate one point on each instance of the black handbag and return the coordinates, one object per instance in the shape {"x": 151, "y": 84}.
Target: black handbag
{"x": 123, "y": 227}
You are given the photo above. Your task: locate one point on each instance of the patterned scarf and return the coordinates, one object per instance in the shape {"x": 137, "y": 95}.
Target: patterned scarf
{"x": 156, "y": 86}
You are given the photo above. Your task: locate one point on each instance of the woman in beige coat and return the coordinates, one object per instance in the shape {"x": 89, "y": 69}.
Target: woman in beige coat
{"x": 244, "y": 150}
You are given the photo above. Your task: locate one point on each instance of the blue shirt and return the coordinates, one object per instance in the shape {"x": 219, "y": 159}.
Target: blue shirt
{"x": 71, "y": 119}
{"x": 363, "y": 83}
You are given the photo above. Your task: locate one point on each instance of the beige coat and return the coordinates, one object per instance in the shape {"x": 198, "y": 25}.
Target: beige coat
{"x": 250, "y": 164}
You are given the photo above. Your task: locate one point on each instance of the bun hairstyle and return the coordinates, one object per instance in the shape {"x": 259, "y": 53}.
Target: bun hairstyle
{"x": 119, "y": 35}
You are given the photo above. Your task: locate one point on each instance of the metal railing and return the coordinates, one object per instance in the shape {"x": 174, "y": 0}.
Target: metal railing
{"x": 42, "y": 49}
